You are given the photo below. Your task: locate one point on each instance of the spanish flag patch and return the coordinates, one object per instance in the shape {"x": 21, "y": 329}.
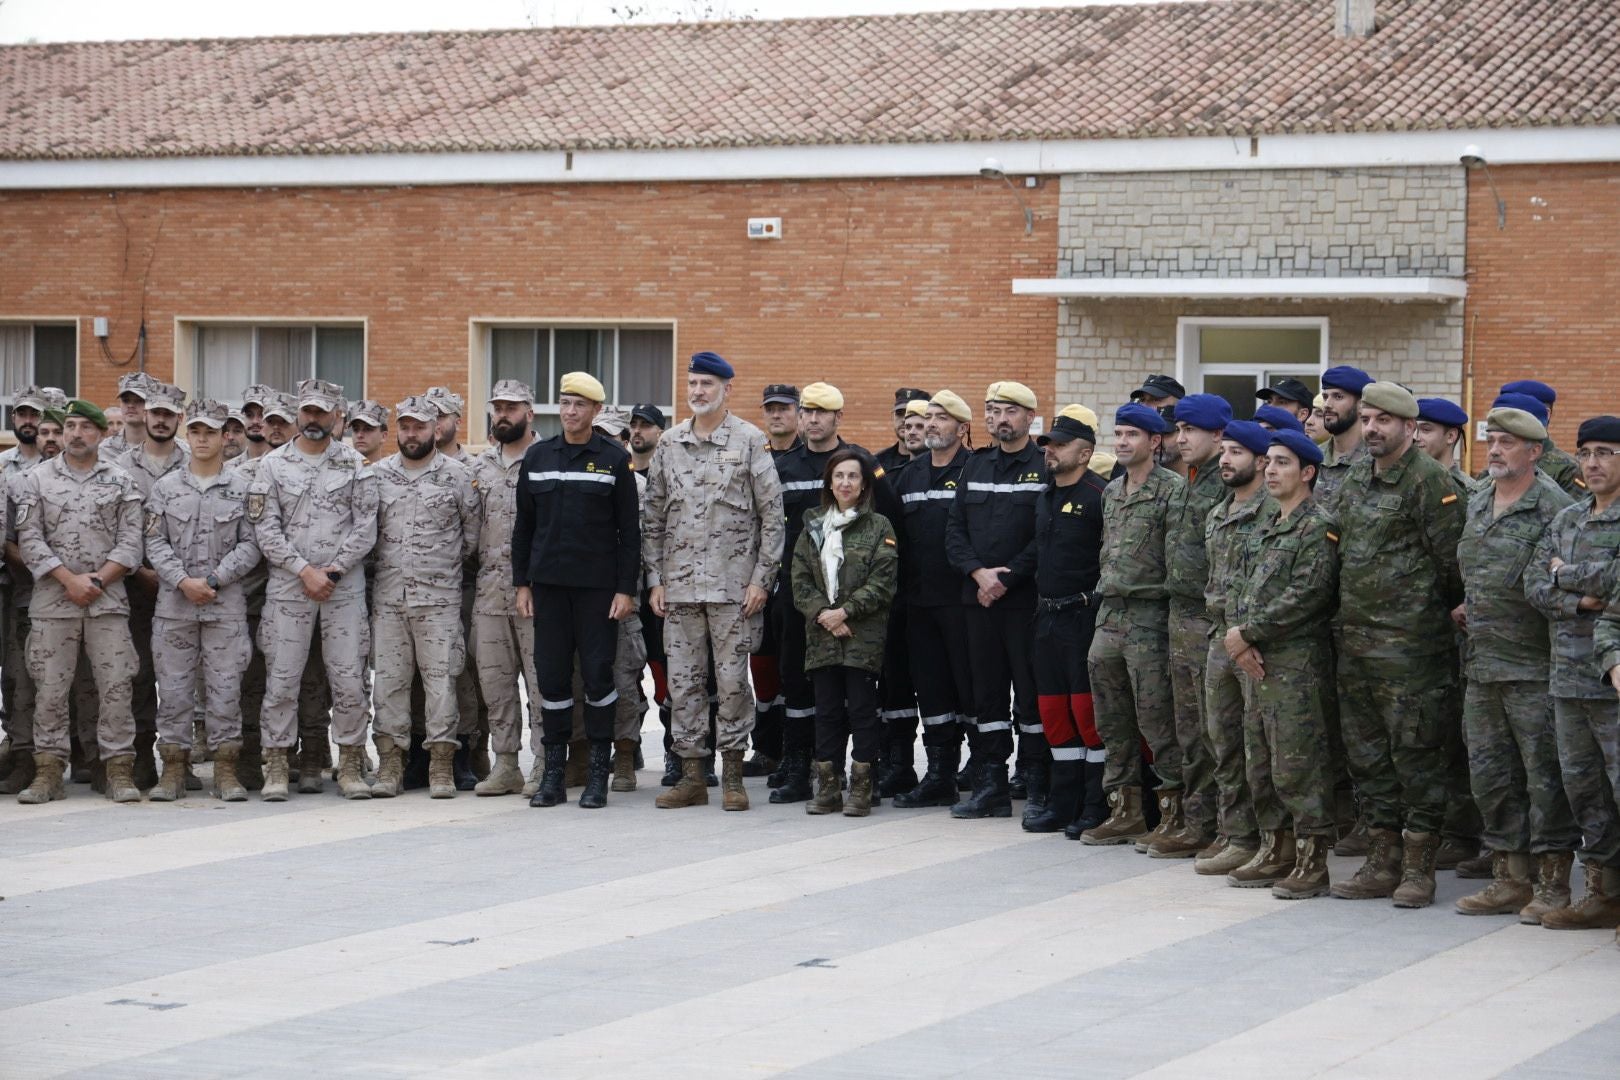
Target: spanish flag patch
{"x": 890, "y": 541}
{"x": 1448, "y": 500}
{"x": 1333, "y": 537}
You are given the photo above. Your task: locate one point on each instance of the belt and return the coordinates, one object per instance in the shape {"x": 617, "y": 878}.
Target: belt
{"x": 1063, "y": 603}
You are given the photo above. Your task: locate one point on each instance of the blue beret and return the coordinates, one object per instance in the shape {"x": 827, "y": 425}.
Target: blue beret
{"x": 1208, "y": 411}
{"x": 1440, "y": 411}
{"x": 1352, "y": 380}
{"x": 1140, "y": 416}
{"x": 1538, "y": 390}
{"x": 1249, "y": 435}
{"x": 708, "y": 363}
{"x": 1299, "y": 444}
{"x": 1531, "y": 405}
{"x": 1281, "y": 419}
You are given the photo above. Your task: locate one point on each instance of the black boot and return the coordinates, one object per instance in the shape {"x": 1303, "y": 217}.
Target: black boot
{"x": 795, "y": 786}
{"x": 709, "y": 778}
{"x": 938, "y": 784}
{"x": 901, "y": 775}
{"x": 416, "y": 766}
{"x": 672, "y": 769}
{"x": 553, "y": 781}
{"x": 1037, "y": 781}
{"x": 990, "y": 797}
{"x": 964, "y": 775}
{"x": 1017, "y": 787}
{"x": 594, "y": 797}
{"x": 461, "y": 764}
{"x": 1093, "y": 802}
{"x": 774, "y": 780}
{"x": 1062, "y": 800}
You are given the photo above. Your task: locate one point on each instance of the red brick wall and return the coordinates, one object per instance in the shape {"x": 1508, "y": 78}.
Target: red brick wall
{"x": 1544, "y": 293}
{"x": 875, "y": 284}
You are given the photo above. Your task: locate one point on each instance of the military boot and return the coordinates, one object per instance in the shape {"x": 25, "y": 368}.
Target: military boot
{"x": 1598, "y": 910}
{"x": 47, "y": 783}
{"x": 1310, "y": 874}
{"x": 710, "y": 777}
{"x": 624, "y": 764}
{"x": 1454, "y": 851}
{"x": 311, "y": 758}
{"x": 1124, "y": 823}
{"x": 760, "y": 764}
{"x": 1271, "y": 864}
{"x": 250, "y": 764}
{"x": 227, "y": 785}
{"x": 732, "y": 768}
{"x": 1509, "y": 890}
{"x": 1551, "y": 889}
{"x": 1356, "y": 842}
{"x": 1379, "y": 873}
{"x": 900, "y": 775}
{"x": 1062, "y": 799}
{"x": 1476, "y": 869}
{"x": 390, "y": 768}
{"x": 504, "y": 779}
{"x": 461, "y": 769}
{"x": 860, "y": 790}
{"x": 965, "y": 775}
{"x": 991, "y": 796}
{"x": 597, "y": 768}
{"x": 351, "y": 777}
{"x": 553, "y": 787}
{"x": 795, "y": 786}
{"x": 691, "y": 791}
{"x": 579, "y": 752}
{"x": 829, "y": 797}
{"x": 171, "y": 786}
{"x": 275, "y": 774}
{"x": 1180, "y": 840}
{"x": 938, "y": 784}
{"x": 143, "y": 771}
{"x": 98, "y": 776}
{"x": 672, "y": 769}
{"x": 23, "y": 768}
{"x": 478, "y": 758}
{"x": 415, "y": 773}
{"x": 1093, "y": 803}
{"x": 1416, "y": 889}
{"x": 1224, "y": 856}
{"x": 1037, "y": 785}
{"x": 8, "y": 755}
{"x": 78, "y": 763}
{"x": 121, "y": 779}
{"x": 1018, "y": 782}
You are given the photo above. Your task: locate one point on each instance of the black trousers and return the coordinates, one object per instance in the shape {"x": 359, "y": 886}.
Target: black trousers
{"x": 1001, "y": 642}
{"x": 568, "y": 621}
{"x": 798, "y": 696}
{"x": 765, "y": 671}
{"x": 846, "y": 711}
{"x": 937, "y": 641}
{"x": 898, "y": 694}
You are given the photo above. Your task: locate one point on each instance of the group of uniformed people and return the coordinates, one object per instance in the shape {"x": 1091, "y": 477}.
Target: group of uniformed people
{"x": 1244, "y": 642}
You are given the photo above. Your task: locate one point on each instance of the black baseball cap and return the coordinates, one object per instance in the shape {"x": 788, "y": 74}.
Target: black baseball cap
{"x": 906, "y": 395}
{"x": 650, "y": 413}
{"x": 781, "y": 393}
{"x": 1159, "y": 386}
{"x": 1289, "y": 390}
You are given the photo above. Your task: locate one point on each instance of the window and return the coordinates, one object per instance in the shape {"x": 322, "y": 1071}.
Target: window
{"x": 37, "y": 353}
{"x": 1235, "y": 357}
{"x": 227, "y": 357}
{"x": 634, "y": 363}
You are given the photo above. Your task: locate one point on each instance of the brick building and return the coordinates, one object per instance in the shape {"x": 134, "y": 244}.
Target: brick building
{"x": 1218, "y": 190}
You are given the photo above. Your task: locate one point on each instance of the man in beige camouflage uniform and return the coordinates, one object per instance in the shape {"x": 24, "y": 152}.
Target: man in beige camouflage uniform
{"x": 16, "y": 686}
{"x": 132, "y": 391}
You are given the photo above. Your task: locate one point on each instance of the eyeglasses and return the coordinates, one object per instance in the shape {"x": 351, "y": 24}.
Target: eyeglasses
{"x": 1602, "y": 453}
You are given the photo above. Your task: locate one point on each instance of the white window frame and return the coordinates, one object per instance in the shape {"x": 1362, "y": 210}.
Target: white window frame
{"x": 185, "y": 343}
{"x": 1190, "y": 371}
{"x": 7, "y": 393}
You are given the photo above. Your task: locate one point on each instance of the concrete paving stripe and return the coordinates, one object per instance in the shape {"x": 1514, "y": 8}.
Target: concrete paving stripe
{"x": 14, "y": 813}
{"x": 794, "y": 1019}
{"x": 1471, "y": 1011}
{"x": 227, "y": 998}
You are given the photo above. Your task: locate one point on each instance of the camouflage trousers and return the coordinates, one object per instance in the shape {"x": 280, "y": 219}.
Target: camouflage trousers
{"x": 1286, "y": 749}
{"x": 1589, "y": 757}
{"x": 1129, "y": 664}
{"x": 408, "y": 641}
{"x": 471, "y": 708}
{"x": 628, "y": 663}
{"x": 53, "y": 659}
{"x": 1393, "y": 711}
{"x": 1462, "y": 816}
{"x": 17, "y": 685}
{"x": 1189, "y": 654}
{"x": 286, "y": 631}
{"x": 691, "y": 631}
{"x": 504, "y": 652}
{"x": 1226, "y": 690}
{"x": 1513, "y": 762}
{"x": 219, "y": 649}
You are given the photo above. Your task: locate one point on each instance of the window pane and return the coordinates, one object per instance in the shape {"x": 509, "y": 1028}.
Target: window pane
{"x": 224, "y": 361}
{"x": 54, "y": 362}
{"x": 1238, "y": 390}
{"x": 590, "y": 351}
{"x": 513, "y": 355}
{"x": 340, "y": 357}
{"x": 1312, "y": 380}
{"x": 15, "y": 344}
{"x": 646, "y": 360}
{"x": 284, "y": 356}
{"x": 1259, "y": 345}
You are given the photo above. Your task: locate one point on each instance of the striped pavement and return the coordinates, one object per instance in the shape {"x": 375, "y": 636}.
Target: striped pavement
{"x": 480, "y": 938}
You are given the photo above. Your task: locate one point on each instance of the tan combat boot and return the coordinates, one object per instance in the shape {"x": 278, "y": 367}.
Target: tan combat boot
{"x": 390, "y": 768}
{"x": 829, "y": 796}
{"x": 275, "y": 774}
{"x": 311, "y": 759}
{"x": 579, "y": 759}
{"x": 1551, "y": 890}
{"x": 441, "y": 770}
{"x": 121, "y": 779}
{"x": 171, "y": 786}
{"x": 624, "y": 765}
{"x": 1416, "y": 889}
{"x": 733, "y": 795}
{"x": 860, "y": 790}
{"x": 1453, "y": 852}
{"x": 1598, "y": 910}
{"x": 691, "y": 790}
{"x": 1379, "y": 873}
{"x": 226, "y": 783}
{"x": 1183, "y": 841}
{"x": 504, "y": 779}
{"x": 23, "y": 768}
{"x": 1509, "y": 890}
{"x": 1310, "y": 874}
{"x": 1169, "y": 822}
{"x": 1271, "y": 864}
{"x": 1227, "y": 856}
{"x": 351, "y": 775}
{"x": 1125, "y": 821}
{"x": 532, "y": 784}
{"x": 47, "y": 783}
{"x": 1358, "y": 841}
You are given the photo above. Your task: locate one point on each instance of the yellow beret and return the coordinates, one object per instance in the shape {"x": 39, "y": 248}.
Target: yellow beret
{"x": 916, "y": 408}
{"x": 1082, "y": 414}
{"x": 953, "y": 405}
{"x": 1516, "y": 422}
{"x": 1011, "y": 393}
{"x": 1318, "y": 402}
{"x": 820, "y": 395}
{"x": 1390, "y": 397}
{"x": 583, "y": 385}
{"x": 1102, "y": 463}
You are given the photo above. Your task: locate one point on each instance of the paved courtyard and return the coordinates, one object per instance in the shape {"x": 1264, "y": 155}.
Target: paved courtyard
{"x": 478, "y": 937}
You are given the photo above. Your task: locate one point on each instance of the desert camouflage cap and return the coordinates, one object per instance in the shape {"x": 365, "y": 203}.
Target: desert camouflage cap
{"x": 511, "y": 390}
{"x": 166, "y": 396}
{"x": 367, "y": 411}
{"x": 258, "y": 394}
{"x": 55, "y": 396}
{"x": 138, "y": 383}
{"x": 31, "y": 397}
{"x": 446, "y": 400}
{"x": 207, "y": 411}
{"x": 320, "y": 394}
{"x": 612, "y": 421}
{"x": 283, "y": 405}
{"x": 418, "y": 407}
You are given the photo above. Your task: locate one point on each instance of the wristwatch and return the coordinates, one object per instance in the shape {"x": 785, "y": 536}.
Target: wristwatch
{"x": 213, "y": 582}
{"x": 96, "y": 581}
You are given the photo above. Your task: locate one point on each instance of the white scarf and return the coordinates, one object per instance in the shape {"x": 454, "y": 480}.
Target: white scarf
{"x": 832, "y": 547}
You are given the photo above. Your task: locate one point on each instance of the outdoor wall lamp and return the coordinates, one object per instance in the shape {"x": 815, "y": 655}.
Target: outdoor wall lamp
{"x": 992, "y": 171}
{"x": 1473, "y": 159}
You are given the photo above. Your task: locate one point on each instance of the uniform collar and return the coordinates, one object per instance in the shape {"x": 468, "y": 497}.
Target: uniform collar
{"x": 1397, "y": 471}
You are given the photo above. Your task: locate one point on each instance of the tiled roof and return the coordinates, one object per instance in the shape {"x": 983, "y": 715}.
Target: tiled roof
{"x": 1216, "y": 68}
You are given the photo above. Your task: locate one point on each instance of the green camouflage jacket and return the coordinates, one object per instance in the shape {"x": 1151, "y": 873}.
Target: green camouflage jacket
{"x": 866, "y": 584}
{"x": 1187, "y": 563}
{"x": 1227, "y": 529}
{"x": 1291, "y": 587}
{"x": 1507, "y": 638}
{"x": 1589, "y": 544}
{"x": 1133, "y": 551}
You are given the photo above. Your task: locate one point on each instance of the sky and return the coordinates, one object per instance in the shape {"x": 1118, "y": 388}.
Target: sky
{"x": 104, "y": 20}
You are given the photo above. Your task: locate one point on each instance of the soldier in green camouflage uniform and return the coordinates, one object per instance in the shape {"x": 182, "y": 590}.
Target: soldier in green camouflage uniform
{"x": 1559, "y": 466}
{"x": 1341, "y": 396}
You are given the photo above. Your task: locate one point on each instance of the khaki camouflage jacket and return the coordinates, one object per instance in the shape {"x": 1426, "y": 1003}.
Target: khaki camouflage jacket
{"x": 81, "y": 522}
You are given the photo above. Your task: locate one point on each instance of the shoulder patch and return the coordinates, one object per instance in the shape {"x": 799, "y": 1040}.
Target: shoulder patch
{"x": 255, "y": 506}
{"x": 1333, "y": 536}
{"x": 1447, "y": 500}
{"x": 22, "y": 513}
{"x": 153, "y": 519}
{"x": 890, "y": 541}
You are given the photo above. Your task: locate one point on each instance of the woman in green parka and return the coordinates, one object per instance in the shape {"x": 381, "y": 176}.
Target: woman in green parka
{"x": 844, "y": 570}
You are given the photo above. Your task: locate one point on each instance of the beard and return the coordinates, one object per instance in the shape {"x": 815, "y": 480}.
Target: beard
{"x": 315, "y": 433}
{"x": 1339, "y": 426}
{"x": 706, "y": 410}
{"x": 505, "y": 432}
{"x": 416, "y": 451}
{"x": 255, "y": 436}
{"x": 1240, "y": 477}
{"x": 158, "y": 436}
{"x": 27, "y": 436}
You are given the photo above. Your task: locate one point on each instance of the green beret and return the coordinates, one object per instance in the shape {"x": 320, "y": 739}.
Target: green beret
{"x": 88, "y": 410}
{"x": 1516, "y": 422}
{"x": 55, "y": 416}
{"x": 1392, "y": 398}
